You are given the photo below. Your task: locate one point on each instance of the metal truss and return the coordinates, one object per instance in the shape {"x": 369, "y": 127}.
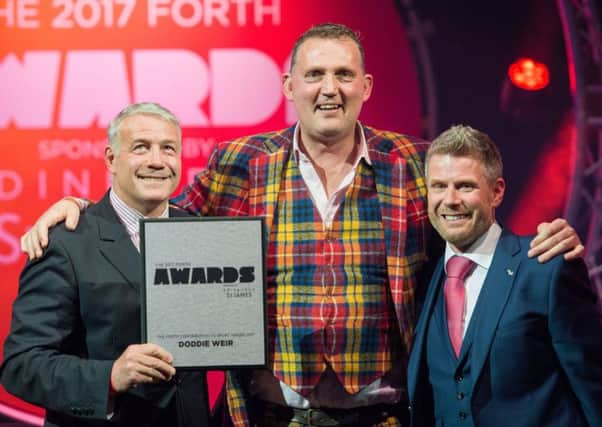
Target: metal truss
{"x": 581, "y": 25}
{"x": 418, "y": 32}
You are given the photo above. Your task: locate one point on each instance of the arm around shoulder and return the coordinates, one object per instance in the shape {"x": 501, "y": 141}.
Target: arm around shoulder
{"x": 36, "y": 239}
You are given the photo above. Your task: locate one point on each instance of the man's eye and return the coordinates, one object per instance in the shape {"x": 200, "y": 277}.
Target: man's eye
{"x": 345, "y": 76}
{"x": 313, "y": 75}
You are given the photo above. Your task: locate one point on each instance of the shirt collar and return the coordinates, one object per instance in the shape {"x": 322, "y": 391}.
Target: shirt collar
{"x": 130, "y": 217}
{"x": 362, "y": 152}
{"x": 482, "y": 250}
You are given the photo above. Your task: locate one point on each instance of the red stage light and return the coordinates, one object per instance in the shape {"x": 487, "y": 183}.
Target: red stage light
{"x": 529, "y": 74}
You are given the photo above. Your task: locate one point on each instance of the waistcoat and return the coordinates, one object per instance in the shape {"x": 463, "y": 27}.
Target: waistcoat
{"x": 451, "y": 378}
{"x": 331, "y": 304}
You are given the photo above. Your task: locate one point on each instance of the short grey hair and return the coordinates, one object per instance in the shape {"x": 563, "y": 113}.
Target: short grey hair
{"x": 149, "y": 108}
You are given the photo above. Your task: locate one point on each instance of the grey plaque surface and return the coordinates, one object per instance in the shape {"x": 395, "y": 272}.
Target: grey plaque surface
{"x": 204, "y": 290}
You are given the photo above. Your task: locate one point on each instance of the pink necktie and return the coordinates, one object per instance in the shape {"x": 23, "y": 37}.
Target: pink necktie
{"x": 455, "y": 294}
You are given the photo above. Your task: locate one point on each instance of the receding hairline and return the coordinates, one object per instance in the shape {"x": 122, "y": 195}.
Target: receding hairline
{"x": 329, "y": 31}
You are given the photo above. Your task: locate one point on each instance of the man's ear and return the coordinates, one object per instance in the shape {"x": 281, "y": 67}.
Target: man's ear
{"x": 499, "y": 187}
{"x": 287, "y": 86}
{"x": 368, "y": 84}
{"x": 110, "y": 159}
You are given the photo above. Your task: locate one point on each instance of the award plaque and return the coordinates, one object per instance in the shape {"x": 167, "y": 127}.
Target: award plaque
{"x": 203, "y": 297}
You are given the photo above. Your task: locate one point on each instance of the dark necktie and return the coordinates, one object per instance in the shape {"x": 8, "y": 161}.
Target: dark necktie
{"x": 458, "y": 268}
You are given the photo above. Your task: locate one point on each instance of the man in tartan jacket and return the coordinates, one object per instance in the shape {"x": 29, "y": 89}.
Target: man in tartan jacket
{"x": 345, "y": 209}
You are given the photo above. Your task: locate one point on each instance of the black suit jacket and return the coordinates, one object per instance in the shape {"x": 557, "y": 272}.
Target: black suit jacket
{"x": 77, "y": 310}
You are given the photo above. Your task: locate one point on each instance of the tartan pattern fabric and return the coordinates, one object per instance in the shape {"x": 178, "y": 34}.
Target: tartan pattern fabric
{"x": 243, "y": 177}
{"x": 331, "y": 304}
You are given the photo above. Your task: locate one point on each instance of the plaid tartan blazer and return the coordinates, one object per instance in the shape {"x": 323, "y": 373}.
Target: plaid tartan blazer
{"x": 243, "y": 178}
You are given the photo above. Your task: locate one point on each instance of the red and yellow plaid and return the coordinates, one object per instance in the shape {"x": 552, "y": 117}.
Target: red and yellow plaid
{"x": 328, "y": 296}
{"x": 245, "y": 176}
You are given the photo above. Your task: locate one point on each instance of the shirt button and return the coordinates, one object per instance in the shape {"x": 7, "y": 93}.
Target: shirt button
{"x": 459, "y": 378}
{"x": 460, "y": 395}
{"x": 462, "y": 415}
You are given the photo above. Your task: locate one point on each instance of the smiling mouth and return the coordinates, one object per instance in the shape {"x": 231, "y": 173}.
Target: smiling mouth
{"x": 455, "y": 217}
{"x": 154, "y": 178}
{"x": 329, "y": 107}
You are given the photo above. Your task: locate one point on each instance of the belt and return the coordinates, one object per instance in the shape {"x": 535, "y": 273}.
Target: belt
{"x": 327, "y": 417}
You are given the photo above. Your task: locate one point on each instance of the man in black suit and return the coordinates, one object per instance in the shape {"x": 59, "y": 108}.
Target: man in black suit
{"x": 74, "y": 345}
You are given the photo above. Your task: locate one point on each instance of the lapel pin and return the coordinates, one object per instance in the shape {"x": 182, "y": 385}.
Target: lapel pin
{"x": 510, "y": 272}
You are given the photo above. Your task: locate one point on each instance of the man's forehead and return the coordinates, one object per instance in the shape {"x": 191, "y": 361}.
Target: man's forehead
{"x": 447, "y": 161}
{"x": 450, "y": 158}
{"x": 147, "y": 121}
{"x": 324, "y": 40}
{"x": 166, "y": 130}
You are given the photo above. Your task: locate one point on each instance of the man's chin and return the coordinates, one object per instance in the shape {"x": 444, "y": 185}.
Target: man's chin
{"x": 154, "y": 205}
{"x": 156, "y": 196}
{"x": 331, "y": 133}
{"x": 458, "y": 240}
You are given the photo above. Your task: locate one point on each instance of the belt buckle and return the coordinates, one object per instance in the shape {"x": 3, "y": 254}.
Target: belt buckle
{"x": 318, "y": 418}
{"x": 310, "y": 421}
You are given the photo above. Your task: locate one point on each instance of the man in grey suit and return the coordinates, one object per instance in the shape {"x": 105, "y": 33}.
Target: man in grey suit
{"x": 74, "y": 345}
{"x": 504, "y": 340}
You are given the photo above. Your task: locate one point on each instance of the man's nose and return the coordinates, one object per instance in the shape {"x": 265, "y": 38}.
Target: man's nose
{"x": 451, "y": 196}
{"x": 329, "y": 85}
{"x": 155, "y": 156}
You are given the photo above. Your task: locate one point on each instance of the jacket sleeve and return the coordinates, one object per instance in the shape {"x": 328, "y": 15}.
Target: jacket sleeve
{"x": 222, "y": 188}
{"x": 575, "y": 323}
{"x": 45, "y": 353}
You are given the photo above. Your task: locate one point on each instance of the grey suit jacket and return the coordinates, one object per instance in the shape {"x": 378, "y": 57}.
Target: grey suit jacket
{"x": 77, "y": 310}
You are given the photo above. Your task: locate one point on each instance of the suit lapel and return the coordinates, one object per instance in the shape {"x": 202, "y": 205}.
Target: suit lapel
{"x": 115, "y": 244}
{"x": 391, "y": 188}
{"x": 265, "y": 177}
{"x": 494, "y": 296}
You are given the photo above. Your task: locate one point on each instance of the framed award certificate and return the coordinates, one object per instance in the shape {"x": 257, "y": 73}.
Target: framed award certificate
{"x": 203, "y": 296}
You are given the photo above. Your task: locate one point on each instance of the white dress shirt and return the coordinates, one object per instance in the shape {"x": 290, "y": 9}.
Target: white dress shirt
{"x": 481, "y": 253}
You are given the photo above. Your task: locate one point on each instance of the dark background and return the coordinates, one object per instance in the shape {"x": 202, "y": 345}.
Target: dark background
{"x": 472, "y": 43}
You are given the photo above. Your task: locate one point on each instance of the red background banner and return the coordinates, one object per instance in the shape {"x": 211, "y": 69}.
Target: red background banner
{"x": 68, "y": 66}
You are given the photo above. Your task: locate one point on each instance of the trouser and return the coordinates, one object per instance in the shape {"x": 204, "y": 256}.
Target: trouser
{"x": 265, "y": 414}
